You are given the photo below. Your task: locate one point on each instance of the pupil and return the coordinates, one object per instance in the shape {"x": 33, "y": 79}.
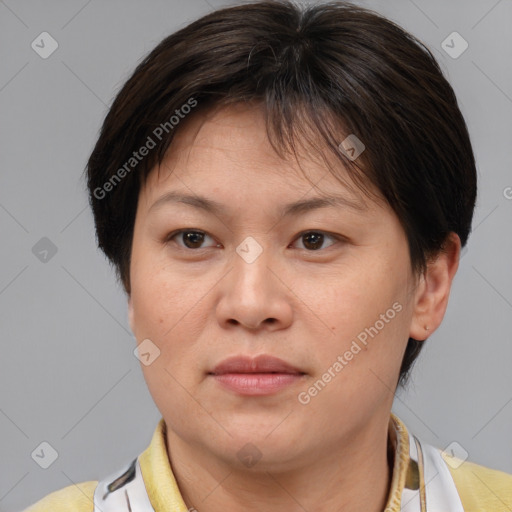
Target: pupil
{"x": 314, "y": 239}
{"x": 193, "y": 237}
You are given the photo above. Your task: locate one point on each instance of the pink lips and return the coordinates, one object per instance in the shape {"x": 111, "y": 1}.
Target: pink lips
{"x": 261, "y": 375}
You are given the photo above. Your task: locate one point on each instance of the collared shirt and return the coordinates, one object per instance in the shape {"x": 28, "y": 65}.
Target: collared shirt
{"x": 424, "y": 479}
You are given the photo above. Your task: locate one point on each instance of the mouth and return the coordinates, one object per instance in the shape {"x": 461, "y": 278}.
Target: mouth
{"x": 256, "y": 376}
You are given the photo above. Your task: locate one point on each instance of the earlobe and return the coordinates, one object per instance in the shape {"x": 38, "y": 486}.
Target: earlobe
{"x": 130, "y": 315}
{"x": 434, "y": 288}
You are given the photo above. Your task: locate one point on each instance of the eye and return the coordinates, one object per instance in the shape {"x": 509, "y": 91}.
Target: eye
{"x": 191, "y": 238}
{"x": 314, "y": 239}
{"x": 194, "y": 238}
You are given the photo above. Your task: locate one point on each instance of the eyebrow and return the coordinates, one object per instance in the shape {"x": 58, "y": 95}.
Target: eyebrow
{"x": 296, "y": 208}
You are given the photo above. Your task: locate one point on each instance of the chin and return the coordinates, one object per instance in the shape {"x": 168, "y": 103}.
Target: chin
{"x": 260, "y": 456}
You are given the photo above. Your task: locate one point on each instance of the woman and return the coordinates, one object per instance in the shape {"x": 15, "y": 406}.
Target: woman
{"x": 284, "y": 193}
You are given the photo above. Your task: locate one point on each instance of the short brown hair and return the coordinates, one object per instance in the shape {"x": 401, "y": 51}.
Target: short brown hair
{"x": 325, "y": 66}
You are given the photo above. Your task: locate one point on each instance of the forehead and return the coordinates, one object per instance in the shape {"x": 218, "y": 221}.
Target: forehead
{"x": 228, "y": 147}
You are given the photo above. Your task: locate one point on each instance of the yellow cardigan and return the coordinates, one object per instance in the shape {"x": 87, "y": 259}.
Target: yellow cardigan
{"x": 480, "y": 489}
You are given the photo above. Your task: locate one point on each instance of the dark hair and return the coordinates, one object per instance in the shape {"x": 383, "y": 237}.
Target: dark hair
{"x": 327, "y": 69}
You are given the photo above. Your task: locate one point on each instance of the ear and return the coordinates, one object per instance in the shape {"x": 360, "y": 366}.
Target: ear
{"x": 433, "y": 290}
{"x": 130, "y": 314}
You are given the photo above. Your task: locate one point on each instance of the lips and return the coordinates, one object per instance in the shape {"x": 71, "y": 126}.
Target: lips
{"x": 259, "y": 364}
{"x": 258, "y": 376}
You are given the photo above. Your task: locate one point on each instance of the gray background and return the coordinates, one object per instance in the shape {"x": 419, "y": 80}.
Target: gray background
{"x": 68, "y": 375}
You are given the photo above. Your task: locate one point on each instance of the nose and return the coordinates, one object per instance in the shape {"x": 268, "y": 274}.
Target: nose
{"x": 254, "y": 295}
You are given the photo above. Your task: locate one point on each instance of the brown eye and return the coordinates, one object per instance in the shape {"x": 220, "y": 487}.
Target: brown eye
{"x": 194, "y": 239}
{"x": 313, "y": 240}
{"x": 189, "y": 238}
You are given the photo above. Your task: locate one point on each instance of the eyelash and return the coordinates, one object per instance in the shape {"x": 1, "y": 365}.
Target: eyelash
{"x": 169, "y": 238}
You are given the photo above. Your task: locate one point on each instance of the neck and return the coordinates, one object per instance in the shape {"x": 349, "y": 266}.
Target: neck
{"x": 343, "y": 479}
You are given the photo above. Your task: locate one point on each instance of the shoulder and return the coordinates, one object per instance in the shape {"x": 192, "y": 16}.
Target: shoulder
{"x": 481, "y": 489}
{"x": 76, "y": 498}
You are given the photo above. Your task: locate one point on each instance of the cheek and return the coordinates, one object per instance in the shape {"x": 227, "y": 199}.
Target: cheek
{"x": 166, "y": 308}
{"x": 170, "y": 309}
{"x": 360, "y": 316}
{"x": 161, "y": 296}
{"x": 346, "y": 301}
{"x": 357, "y": 370}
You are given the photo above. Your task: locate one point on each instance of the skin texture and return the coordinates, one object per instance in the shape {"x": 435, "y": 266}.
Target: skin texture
{"x": 305, "y": 306}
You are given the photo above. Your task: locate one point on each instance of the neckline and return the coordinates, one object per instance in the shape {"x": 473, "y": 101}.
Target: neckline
{"x": 164, "y": 493}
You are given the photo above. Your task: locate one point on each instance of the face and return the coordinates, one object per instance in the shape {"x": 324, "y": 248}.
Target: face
{"x": 276, "y": 326}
